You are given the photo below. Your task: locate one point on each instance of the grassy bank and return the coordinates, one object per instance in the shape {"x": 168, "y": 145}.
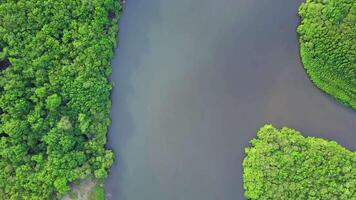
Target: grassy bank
{"x": 86, "y": 189}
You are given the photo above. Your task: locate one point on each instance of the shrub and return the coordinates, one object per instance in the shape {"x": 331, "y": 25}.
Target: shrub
{"x": 97, "y": 193}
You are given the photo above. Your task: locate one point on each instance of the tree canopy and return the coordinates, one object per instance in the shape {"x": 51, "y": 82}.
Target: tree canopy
{"x": 328, "y": 46}
{"x": 282, "y": 164}
{"x": 54, "y": 94}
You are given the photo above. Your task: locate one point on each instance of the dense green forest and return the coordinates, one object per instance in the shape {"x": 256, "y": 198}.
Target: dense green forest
{"x": 282, "y": 164}
{"x": 54, "y": 94}
{"x": 328, "y": 46}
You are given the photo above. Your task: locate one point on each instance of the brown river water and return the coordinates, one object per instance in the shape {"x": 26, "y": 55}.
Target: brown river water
{"x": 194, "y": 80}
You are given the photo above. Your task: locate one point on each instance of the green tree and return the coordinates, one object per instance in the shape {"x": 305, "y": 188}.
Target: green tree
{"x": 327, "y": 36}
{"x": 282, "y": 164}
{"x": 53, "y": 102}
{"x": 55, "y": 95}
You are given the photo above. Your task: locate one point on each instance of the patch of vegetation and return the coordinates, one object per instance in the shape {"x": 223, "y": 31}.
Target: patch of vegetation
{"x": 328, "y": 46}
{"x": 282, "y": 164}
{"x": 72, "y": 196}
{"x": 54, "y": 98}
{"x": 97, "y": 193}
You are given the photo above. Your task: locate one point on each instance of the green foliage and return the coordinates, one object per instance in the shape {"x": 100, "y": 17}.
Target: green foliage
{"x": 54, "y": 96}
{"x": 97, "y": 193}
{"x": 53, "y": 102}
{"x": 328, "y": 46}
{"x": 72, "y": 196}
{"x": 282, "y": 164}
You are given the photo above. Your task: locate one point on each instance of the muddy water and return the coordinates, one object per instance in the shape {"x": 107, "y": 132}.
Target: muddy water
{"x": 194, "y": 80}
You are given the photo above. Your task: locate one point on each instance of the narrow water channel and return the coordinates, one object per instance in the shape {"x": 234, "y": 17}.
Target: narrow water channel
{"x": 194, "y": 80}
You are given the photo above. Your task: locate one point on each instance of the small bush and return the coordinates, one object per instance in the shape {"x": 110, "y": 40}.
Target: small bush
{"x": 97, "y": 193}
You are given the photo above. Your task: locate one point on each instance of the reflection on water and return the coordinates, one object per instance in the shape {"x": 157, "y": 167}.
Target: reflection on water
{"x": 194, "y": 80}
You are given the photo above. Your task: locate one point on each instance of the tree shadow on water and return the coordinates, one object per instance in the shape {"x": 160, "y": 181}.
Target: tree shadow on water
{"x": 133, "y": 43}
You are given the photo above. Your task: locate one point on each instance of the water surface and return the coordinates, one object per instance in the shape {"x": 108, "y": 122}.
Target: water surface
{"x": 194, "y": 80}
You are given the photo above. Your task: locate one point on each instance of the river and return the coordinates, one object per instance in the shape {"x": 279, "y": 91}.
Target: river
{"x": 194, "y": 80}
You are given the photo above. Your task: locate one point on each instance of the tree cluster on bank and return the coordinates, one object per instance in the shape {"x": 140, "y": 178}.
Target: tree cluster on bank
{"x": 282, "y": 164}
{"x": 54, "y": 94}
{"x": 328, "y": 46}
